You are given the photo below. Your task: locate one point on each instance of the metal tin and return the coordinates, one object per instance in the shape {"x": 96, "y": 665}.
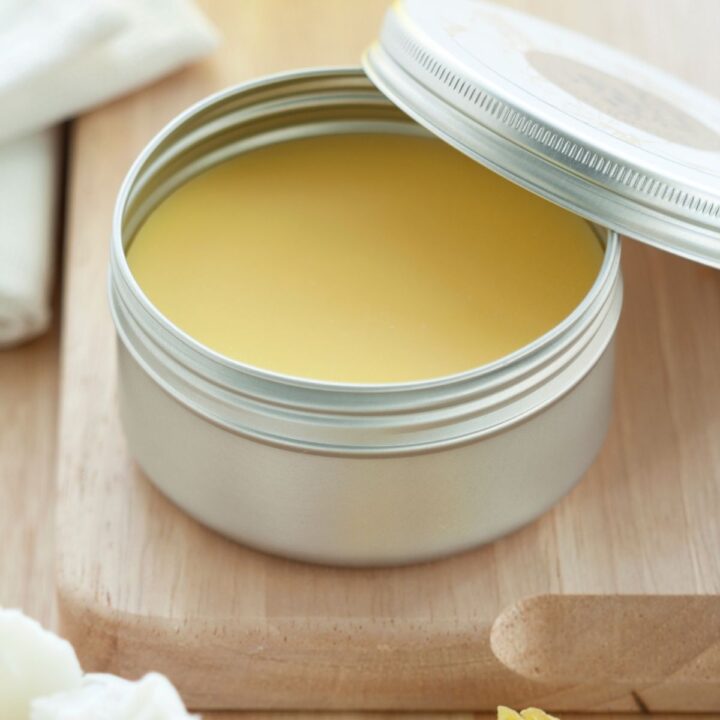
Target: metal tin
{"x": 587, "y": 127}
{"x": 341, "y": 473}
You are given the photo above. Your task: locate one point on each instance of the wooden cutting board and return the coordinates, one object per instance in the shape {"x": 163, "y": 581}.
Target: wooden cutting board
{"x": 609, "y": 602}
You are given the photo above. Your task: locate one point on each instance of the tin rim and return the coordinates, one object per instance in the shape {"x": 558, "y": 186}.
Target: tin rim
{"x": 216, "y": 386}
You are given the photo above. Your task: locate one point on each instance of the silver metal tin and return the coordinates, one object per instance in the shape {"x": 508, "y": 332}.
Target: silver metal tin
{"x": 342, "y": 473}
{"x": 583, "y": 125}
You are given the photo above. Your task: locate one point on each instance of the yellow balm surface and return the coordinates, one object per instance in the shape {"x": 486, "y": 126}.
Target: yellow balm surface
{"x": 362, "y": 258}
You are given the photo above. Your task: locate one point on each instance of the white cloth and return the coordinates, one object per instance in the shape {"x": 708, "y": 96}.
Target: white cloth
{"x": 29, "y": 179}
{"x": 58, "y": 58}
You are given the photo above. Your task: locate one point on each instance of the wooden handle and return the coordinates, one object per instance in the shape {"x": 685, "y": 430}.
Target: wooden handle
{"x": 624, "y": 638}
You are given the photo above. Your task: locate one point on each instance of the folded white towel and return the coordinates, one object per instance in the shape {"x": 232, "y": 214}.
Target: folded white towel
{"x": 56, "y": 60}
{"x": 60, "y": 58}
{"x": 29, "y": 178}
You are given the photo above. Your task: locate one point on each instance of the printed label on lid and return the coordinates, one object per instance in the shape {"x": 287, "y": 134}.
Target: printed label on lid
{"x": 624, "y": 101}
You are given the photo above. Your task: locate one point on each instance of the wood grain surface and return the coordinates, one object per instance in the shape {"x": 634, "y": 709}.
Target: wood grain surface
{"x": 28, "y": 413}
{"x": 143, "y": 587}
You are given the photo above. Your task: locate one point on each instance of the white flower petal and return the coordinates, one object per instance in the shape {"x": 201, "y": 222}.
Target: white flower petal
{"x": 33, "y": 663}
{"x": 107, "y": 697}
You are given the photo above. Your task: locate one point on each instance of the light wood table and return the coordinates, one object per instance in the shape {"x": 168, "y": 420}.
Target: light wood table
{"x": 262, "y": 37}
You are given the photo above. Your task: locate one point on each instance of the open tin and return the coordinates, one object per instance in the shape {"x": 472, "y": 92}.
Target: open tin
{"x": 400, "y": 472}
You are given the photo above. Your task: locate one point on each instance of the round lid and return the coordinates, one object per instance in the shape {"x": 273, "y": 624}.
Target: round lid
{"x": 590, "y": 128}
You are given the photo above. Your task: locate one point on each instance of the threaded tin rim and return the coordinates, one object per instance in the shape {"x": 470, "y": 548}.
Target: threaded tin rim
{"x": 313, "y": 415}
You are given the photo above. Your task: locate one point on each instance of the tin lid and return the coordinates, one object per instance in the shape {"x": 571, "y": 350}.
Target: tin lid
{"x": 588, "y": 127}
